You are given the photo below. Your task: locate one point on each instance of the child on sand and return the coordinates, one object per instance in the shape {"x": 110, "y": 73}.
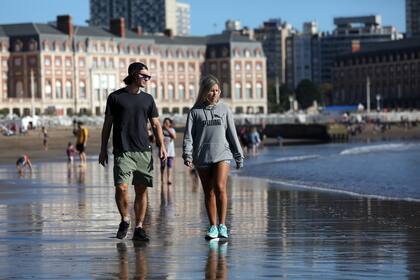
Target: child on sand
{"x": 22, "y": 162}
{"x": 70, "y": 153}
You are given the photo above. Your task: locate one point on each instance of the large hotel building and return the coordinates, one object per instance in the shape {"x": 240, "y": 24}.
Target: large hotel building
{"x": 65, "y": 69}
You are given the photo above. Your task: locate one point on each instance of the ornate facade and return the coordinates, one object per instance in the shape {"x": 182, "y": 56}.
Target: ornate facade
{"x": 66, "y": 69}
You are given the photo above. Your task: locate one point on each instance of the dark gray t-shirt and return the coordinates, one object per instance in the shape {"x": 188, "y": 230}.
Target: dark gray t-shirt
{"x": 130, "y": 114}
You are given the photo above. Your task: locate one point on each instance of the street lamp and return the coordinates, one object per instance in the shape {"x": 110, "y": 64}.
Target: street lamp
{"x": 378, "y": 102}
{"x": 291, "y": 103}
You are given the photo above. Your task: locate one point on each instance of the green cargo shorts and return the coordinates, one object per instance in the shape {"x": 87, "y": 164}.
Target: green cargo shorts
{"x": 133, "y": 167}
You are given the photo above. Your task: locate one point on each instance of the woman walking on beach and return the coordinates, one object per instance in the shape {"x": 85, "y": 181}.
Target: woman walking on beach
{"x": 210, "y": 143}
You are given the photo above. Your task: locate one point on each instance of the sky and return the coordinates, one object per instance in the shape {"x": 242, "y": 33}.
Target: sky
{"x": 209, "y": 17}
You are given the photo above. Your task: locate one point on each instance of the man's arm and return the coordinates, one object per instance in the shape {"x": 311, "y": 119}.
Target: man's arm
{"x": 157, "y": 127}
{"x": 106, "y": 132}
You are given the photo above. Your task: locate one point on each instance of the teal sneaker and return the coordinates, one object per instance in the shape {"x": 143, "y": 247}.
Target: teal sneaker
{"x": 212, "y": 232}
{"x": 223, "y": 231}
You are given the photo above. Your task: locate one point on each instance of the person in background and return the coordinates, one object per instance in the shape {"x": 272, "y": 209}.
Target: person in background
{"x": 81, "y": 134}
{"x": 70, "y": 151}
{"x": 254, "y": 140}
{"x": 210, "y": 143}
{"x": 45, "y": 138}
{"x": 169, "y": 136}
{"x": 22, "y": 163}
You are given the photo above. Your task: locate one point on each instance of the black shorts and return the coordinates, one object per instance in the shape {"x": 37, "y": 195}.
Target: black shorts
{"x": 80, "y": 148}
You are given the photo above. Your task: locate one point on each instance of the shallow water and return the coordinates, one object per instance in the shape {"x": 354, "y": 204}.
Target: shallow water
{"x": 60, "y": 222}
{"x": 385, "y": 170}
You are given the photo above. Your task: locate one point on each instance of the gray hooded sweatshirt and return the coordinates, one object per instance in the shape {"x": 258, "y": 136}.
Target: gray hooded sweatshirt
{"x": 210, "y": 136}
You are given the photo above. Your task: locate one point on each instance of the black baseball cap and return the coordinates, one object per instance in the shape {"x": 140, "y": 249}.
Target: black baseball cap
{"x": 133, "y": 69}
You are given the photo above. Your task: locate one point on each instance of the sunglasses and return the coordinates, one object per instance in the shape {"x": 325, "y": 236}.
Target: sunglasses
{"x": 145, "y": 77}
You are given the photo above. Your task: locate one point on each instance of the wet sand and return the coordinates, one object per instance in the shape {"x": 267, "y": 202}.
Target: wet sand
{"x": 12, "y": 147}
{"x": 60, "y": 222}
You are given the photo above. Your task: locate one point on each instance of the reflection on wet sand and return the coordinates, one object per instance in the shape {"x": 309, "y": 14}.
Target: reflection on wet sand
{"x": 140, "y": 261}
{"x": 216, "y": 266}
{"x": 57, "y": 228}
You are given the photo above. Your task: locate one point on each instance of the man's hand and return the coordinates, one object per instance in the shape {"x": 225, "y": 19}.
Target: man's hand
{"x": 188, "y": 163}
{"x": 103, "y": 158}
{"x": 239, "y": 164}
{"x": 162, "y": 153}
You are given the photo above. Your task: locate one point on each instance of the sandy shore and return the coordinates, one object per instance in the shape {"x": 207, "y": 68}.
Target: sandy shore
{"x": 59, "y": 223}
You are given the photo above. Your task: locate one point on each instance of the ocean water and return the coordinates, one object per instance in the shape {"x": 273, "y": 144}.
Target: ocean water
{"x": 383, "y": 170}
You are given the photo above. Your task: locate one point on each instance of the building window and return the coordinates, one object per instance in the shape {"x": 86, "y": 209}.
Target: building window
{"x": 82, "y": 89}
{"x": 170, "y": 67}
{"x": 224, "y": 66}
{"x": 57, "y": 61}
{"x": 122, "y": 63}
{"x": 58, "y": 89}
{"x": 170, "y": 92}
{"x": 48, "y": 89}
{"x": 248, "y": 91}
{"x": 18, "y": 61}
{"x": 259, "y": 93}
{"x": 68, "y": 62}
{"x": 46, "y": 46}
{"x": 161, "y": 91}
{"x": 248, "y": 67}
{"x": 213, "y": 67}
{"x": 191, "y": 91}
{"x": 258, "y": 66}
{"x": 69, "y": 93}
{"x": 181, "y": 91}
{"x": 185, "y": 110}
{"x": 19, "y": 89}
{"x": 152, "y": 65}
{"x": 237, "y": 66}
{"x": 81, "y": 62}
{"x": 102, "y": 62}
{"x": 32, "y": 61}
{"x": 112, "y": 84}
{"x": 18, "y": 46}
{"x": 153, "y": 90}
{"x": 111, "y": 63}
{"x": 225, "y": 90}
{"x": 238, "y": 91}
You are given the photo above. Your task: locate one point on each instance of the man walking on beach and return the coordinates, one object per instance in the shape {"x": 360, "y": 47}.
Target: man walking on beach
{"x": 128, "y": 110}
{"x": 81, "y": 140}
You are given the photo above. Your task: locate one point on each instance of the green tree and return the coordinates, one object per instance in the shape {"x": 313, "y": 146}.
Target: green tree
{"x": 284, "y": 93}
{"x": 306, "y": 93}
{"x": 326, "y": 90}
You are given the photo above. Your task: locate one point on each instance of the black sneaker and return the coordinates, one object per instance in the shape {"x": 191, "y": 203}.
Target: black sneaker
{"x": 140, "y": 235}
{"x": 122, "y": 230}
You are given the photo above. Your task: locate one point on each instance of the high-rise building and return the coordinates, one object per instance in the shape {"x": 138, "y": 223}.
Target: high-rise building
{"x": 183, "y": 26}
{"x": 348, "y": 36}
{"x": 151, "y": 15}
{"x": 302, "y": 55}
{"x": 412, "y": 17}
{"x": 389, "y": 69}
{"x": 273, "y": 36}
